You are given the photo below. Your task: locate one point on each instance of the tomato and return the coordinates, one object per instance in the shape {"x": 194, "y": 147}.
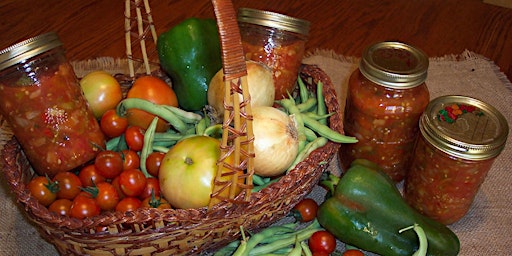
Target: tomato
{"x": 353, "y": 252}
{"x": 188, "y": 171}
{"x": 305, "y": 210}
{"x": 89, "y": 176}
{"x": 132, "y": 182}
{"x": 113, "y": 125}
{"x": 84, "y": 206}
{"x": 320, "y": 253}
{"x": 107, "y": 196}
{"x": 153, "y": 89}
{"x": 128, "y": 204}
{"x": 43, "y": 189}
{"x": 322, "y": 241}
{"x": 152, "y": 189}
{"x": 134, "y": 136}
{"x": 115, "y": 183}
{"x": 131, "y": 159}
{"x": 61, "y": 206}
{"x": 109, "y": 163}
{"x": 69, "y": 185}
{"x": 153, "y": 162}
{"x": 155, "y": 202}
{"x": 102, "y": 91}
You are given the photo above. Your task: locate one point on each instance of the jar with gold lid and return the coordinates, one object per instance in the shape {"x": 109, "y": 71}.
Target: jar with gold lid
{"x": 43, "y": 103}
{"x": 386, "y": 96}
{"x": 460, "y": 139}
{"x": 277, "y": 41}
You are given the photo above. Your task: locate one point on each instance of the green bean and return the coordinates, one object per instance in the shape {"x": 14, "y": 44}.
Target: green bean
{"x": 305, "y": 249}
{"x": 147, "y": 147}
{"x": 187, "y": 117}
{"x": 307, "y": 105}
{"x": 303, "y": 90}
{"x": 310, "y": 147}
{"x": 310, "y": 134}
{"x": 326, "y": 131}
{"x": 228, "y": 249}
{"x": 321, "y": 109}
{"x": 297, "y": 250}
{"x": 295, "y": 113}
{"x": 260, "y": 187}
{"x": 258, "y": 180}
{"x": 213, "y": 131}
{"x": 317, "y": 116}
{"x": 422, "y": 250}
{"x": 254, "y": 240}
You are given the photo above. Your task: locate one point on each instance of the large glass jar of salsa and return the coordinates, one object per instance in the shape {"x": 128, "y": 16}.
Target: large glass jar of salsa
{"x": 460, "y": 139}
{"x": 277, "y": 41}
{"x": 386, "y": 96}
{"x": 43, "y": 103}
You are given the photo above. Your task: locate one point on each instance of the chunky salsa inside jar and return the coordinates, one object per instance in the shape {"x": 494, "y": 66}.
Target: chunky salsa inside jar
{"x": 385, "y": 122}
{"x": 51, "y": 119}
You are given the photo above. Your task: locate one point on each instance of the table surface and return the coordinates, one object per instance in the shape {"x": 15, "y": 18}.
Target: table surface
{"x": 95, "y": 28}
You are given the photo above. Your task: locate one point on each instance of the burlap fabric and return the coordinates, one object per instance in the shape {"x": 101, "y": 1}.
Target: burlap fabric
{"x": 484, "y": 231}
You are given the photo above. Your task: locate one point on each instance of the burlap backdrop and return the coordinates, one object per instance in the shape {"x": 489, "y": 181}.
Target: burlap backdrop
{"x": 484, "y": 231}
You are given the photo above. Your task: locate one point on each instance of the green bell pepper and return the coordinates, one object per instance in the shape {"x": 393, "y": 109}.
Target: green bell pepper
{"x": 366, "y": 210}
{"x": 190, "y": 54}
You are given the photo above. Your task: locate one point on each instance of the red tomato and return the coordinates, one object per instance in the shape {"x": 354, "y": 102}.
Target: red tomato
{"x": 109, "y": 164}
{"x": 155, "y": 202}
{"x": 153, "y": 162}
{"x": 134, "y": 136}
{"x": 353, "y": 252}
{"x": 322, "y": 241}
{"x": 43, "y": 189}
{"x": 131, "y": 159}
{"x": 305, "y": 210}
{"x": 152, "y": 189}
{"x": 61, "y": 206}
{"x": 113, "y": 125}
{"x": 155, "y": 90}
{"x": 89, "y": 176}
{"x": 84, "y": 206}
{"x": 69, "y": 185}
{"x": 128, "y": 204}
{"x": 102, "y": 91}
{"x": 132, "y": 182}
{"x": 107, "y": 196}
{"x": 115, "y": 183}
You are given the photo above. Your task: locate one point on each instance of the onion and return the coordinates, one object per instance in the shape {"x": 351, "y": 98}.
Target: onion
{"x": 259, "y": 81}
{"x": 276, "y": 143}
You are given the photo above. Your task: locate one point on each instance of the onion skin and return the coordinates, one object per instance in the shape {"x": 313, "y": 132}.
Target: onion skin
{"x": 259, "y": 81}
{"x": 276, "y": 143}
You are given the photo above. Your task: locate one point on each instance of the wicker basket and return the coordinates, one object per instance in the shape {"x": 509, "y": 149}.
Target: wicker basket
{"x": 176, "y": 231}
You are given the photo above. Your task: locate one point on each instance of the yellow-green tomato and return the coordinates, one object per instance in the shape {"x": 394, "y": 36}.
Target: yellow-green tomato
{"x": 102, "y": 91}
{"x": 188, "y": 170}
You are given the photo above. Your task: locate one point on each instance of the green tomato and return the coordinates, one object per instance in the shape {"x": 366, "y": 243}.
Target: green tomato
{"x": 188, "y": 170}
{"x": 102, "y": 91}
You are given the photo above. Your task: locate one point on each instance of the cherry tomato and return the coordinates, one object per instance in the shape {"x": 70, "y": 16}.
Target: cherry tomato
{"x": 61, "y": 206}
{"x": 153, "y": 162}
{"x": 152, "y": 188}
{"x": 353, "y": 252}
{"x": 84, "y": 206}
{"x": 134, "y": 136}
{"x": 155, "y": 202}
{"x": 322, "y": 241}
{"x": 109, "y": 163}
{"x": 305, "y": 210}
{"x": 43, "y": 189}
{"x": 115, "y": 183}
{"x": 320, "y": 254}
{"x": 102, "y": 91}
{"x": 128, "y": 204}
{"x": 89, "y": 176}
{"x": 153, "y": 89}
{"x": 107, "y": 196}
{"x": 132, "y": 182}
{"x": 69, "y": 185}
{"x": 131, "y": 159}
{"x": 113, "y": 125}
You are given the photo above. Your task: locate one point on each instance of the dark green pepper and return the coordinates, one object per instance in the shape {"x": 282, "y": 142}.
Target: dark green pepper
{"x": 190, "y": 54}
{"x": 367, "y": 210}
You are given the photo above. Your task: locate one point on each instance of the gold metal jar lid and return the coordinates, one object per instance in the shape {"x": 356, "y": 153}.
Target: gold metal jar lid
{"x": 394, "y": 64}
{"x": 464, "y": 127}
{"x": 29, "y": 48}
{"x": 273, "y": 20}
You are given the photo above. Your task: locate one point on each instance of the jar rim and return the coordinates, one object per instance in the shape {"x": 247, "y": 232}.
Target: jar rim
{"x": 28, "y": 48}
{"x": 273, "y": 19}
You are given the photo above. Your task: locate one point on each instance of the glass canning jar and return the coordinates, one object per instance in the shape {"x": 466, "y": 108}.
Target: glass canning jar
{"x": 43, "y": 103}
{"x": 277, "y": 41}
{"x": 386, "y": 97}
{"x": 460, "y": 139}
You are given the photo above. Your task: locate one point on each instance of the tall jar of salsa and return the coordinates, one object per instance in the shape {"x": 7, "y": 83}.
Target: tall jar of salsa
{"x": 43, "y": 103}
{"x": 386, "y": 96}
{"x": 277, "y": 41}
{"x": 460, "y": 139}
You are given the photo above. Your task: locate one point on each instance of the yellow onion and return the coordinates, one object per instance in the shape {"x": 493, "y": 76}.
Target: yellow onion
{"x": 276, "y": 143}
{"x": 259, "y": 81}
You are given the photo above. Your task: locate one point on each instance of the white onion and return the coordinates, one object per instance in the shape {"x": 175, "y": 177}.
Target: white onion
{"x": 275, "y": 141}
{"x": 259, "y": 81}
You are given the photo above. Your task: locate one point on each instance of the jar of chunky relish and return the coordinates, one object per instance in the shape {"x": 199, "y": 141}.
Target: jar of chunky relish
{"x": 386, "y": 96}
{"x": 277, "y": 41}
{"x": 460, "y": 139}
{"x": 43, "y": 103}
